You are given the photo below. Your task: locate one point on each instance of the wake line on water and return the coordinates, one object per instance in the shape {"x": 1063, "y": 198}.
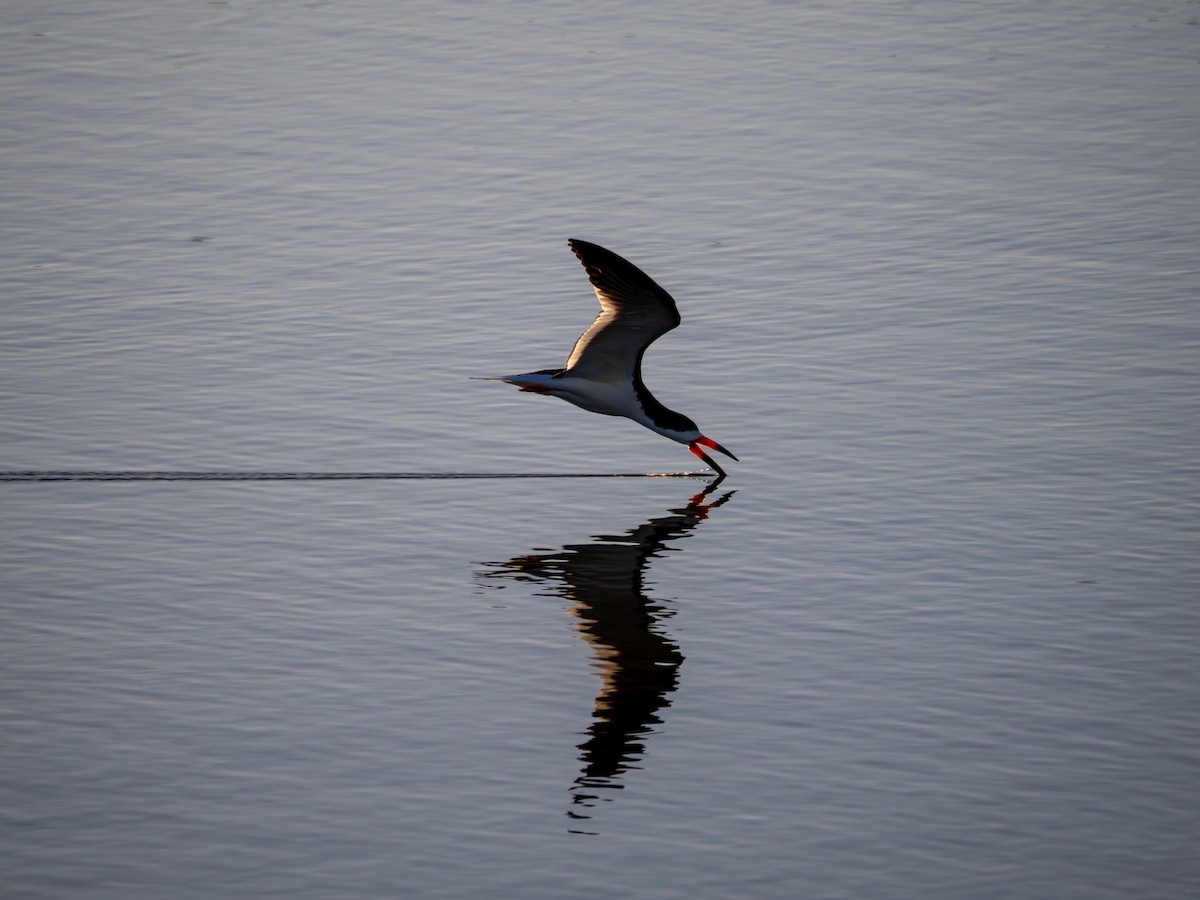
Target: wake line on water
{"x": 320, "y": 476}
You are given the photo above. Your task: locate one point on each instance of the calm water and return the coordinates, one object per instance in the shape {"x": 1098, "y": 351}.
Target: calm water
{"x": 934, "y": 637}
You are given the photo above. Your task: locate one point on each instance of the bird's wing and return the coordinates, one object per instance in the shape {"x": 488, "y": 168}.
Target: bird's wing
{"x": 634, "y": 312}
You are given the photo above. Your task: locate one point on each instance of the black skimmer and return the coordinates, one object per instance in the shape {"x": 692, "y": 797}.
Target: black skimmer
{"x": 603, "y": 374}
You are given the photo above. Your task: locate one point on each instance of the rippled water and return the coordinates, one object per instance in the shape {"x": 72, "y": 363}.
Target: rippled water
{"x": 933, "y": 637}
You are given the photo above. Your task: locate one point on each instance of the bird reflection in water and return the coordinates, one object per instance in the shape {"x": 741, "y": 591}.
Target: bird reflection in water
{"x": 638, "y": 665}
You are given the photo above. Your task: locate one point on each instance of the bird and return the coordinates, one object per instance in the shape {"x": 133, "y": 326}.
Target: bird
{"x": 603, "y": 373}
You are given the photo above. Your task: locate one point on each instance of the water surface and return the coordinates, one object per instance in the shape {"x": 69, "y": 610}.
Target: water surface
{"x": 933, "y": 637}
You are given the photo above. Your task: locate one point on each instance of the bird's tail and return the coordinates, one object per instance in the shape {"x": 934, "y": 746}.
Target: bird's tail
{"x": 534, "y": 382}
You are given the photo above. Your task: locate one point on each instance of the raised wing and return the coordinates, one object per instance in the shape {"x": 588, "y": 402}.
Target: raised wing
{"x": 634, "y": 312}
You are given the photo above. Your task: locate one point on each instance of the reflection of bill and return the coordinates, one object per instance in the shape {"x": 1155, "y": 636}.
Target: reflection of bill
{"x": 638, "y": 665}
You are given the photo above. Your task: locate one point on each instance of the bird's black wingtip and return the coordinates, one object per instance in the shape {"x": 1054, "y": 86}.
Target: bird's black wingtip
{"x": 597, "y": 258}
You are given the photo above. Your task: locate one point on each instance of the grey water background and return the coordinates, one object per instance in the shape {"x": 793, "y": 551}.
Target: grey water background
{"x": 934, "y": 637}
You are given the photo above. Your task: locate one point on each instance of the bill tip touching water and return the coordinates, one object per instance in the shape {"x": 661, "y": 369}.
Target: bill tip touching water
{"x": 603, "y": 373}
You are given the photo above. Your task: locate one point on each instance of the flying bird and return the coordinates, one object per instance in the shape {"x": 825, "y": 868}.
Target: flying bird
{"x": 603, "y": 374}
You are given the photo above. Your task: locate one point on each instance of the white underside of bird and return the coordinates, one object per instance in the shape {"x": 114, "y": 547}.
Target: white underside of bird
{"x": 603, "y": 373}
